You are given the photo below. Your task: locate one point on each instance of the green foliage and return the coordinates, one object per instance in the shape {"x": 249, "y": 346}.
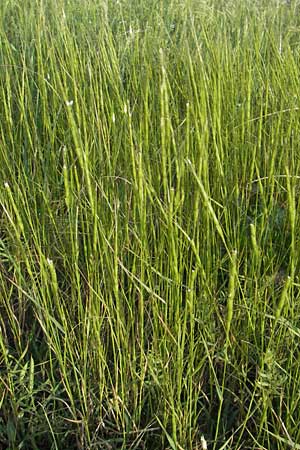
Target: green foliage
{"x": 149, "y": 231}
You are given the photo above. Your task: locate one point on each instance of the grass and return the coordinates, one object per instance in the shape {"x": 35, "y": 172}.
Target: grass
{"x": 149, "y": 225}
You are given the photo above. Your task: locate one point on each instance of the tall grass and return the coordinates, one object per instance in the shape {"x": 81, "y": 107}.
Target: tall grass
{"x": 149, "y": 231}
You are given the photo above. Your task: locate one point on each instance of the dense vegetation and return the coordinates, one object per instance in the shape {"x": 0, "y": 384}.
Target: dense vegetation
{"x": 149, "y": 224}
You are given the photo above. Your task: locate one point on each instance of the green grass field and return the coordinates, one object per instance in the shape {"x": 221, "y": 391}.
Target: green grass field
{"x": 149, "y": 225}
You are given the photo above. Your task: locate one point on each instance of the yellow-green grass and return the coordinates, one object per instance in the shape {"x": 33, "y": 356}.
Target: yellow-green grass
{"x": 149, "y": 224}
